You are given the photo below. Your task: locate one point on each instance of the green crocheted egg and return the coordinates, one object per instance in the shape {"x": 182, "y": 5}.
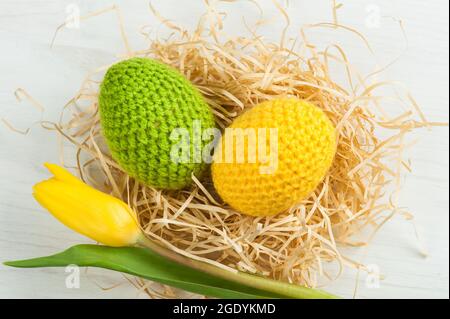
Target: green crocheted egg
{"x": 144, "y": 106}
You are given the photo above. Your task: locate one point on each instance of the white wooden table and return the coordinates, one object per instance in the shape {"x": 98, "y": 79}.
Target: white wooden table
{"x": 53, "y": 75}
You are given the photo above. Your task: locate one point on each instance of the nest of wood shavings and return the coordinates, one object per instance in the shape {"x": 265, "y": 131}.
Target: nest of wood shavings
{"x": 235, "y": 74}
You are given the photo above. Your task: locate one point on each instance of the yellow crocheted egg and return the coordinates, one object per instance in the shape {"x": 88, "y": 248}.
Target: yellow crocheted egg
{"x": 273, "y": 156}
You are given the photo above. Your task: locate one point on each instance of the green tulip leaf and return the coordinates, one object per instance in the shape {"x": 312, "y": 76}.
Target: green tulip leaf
{"x": 145, "y": 263}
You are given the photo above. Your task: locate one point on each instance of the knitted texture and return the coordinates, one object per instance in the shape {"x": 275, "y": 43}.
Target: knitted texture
{"x": 141, "y": 102}
{"x": 306, "y": 148}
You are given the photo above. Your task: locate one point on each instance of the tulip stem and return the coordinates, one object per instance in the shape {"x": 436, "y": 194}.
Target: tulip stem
{"x": 282, "y": 288}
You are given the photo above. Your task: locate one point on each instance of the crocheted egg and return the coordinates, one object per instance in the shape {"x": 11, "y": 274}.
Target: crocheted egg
{"x": 143, "y": 103}
{"x": 278, "y": 168}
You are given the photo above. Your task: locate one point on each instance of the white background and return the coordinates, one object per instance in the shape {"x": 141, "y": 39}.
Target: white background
{"x": 52, "y": 76}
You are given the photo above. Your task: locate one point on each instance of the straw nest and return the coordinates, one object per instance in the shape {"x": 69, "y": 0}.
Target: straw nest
{"x": 358, "y": 193}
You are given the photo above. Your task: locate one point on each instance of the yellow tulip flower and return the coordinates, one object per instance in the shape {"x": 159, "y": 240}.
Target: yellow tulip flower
{"x": 110, "y": 221}
{"x": 86, "y": 210}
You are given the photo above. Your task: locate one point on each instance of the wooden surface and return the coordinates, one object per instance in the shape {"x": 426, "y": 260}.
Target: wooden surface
{"x": 53, "y": 75}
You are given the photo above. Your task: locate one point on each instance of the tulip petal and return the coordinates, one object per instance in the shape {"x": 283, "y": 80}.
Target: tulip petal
{"x": 86, "y": 210}
{"x": 61, "y": 174}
